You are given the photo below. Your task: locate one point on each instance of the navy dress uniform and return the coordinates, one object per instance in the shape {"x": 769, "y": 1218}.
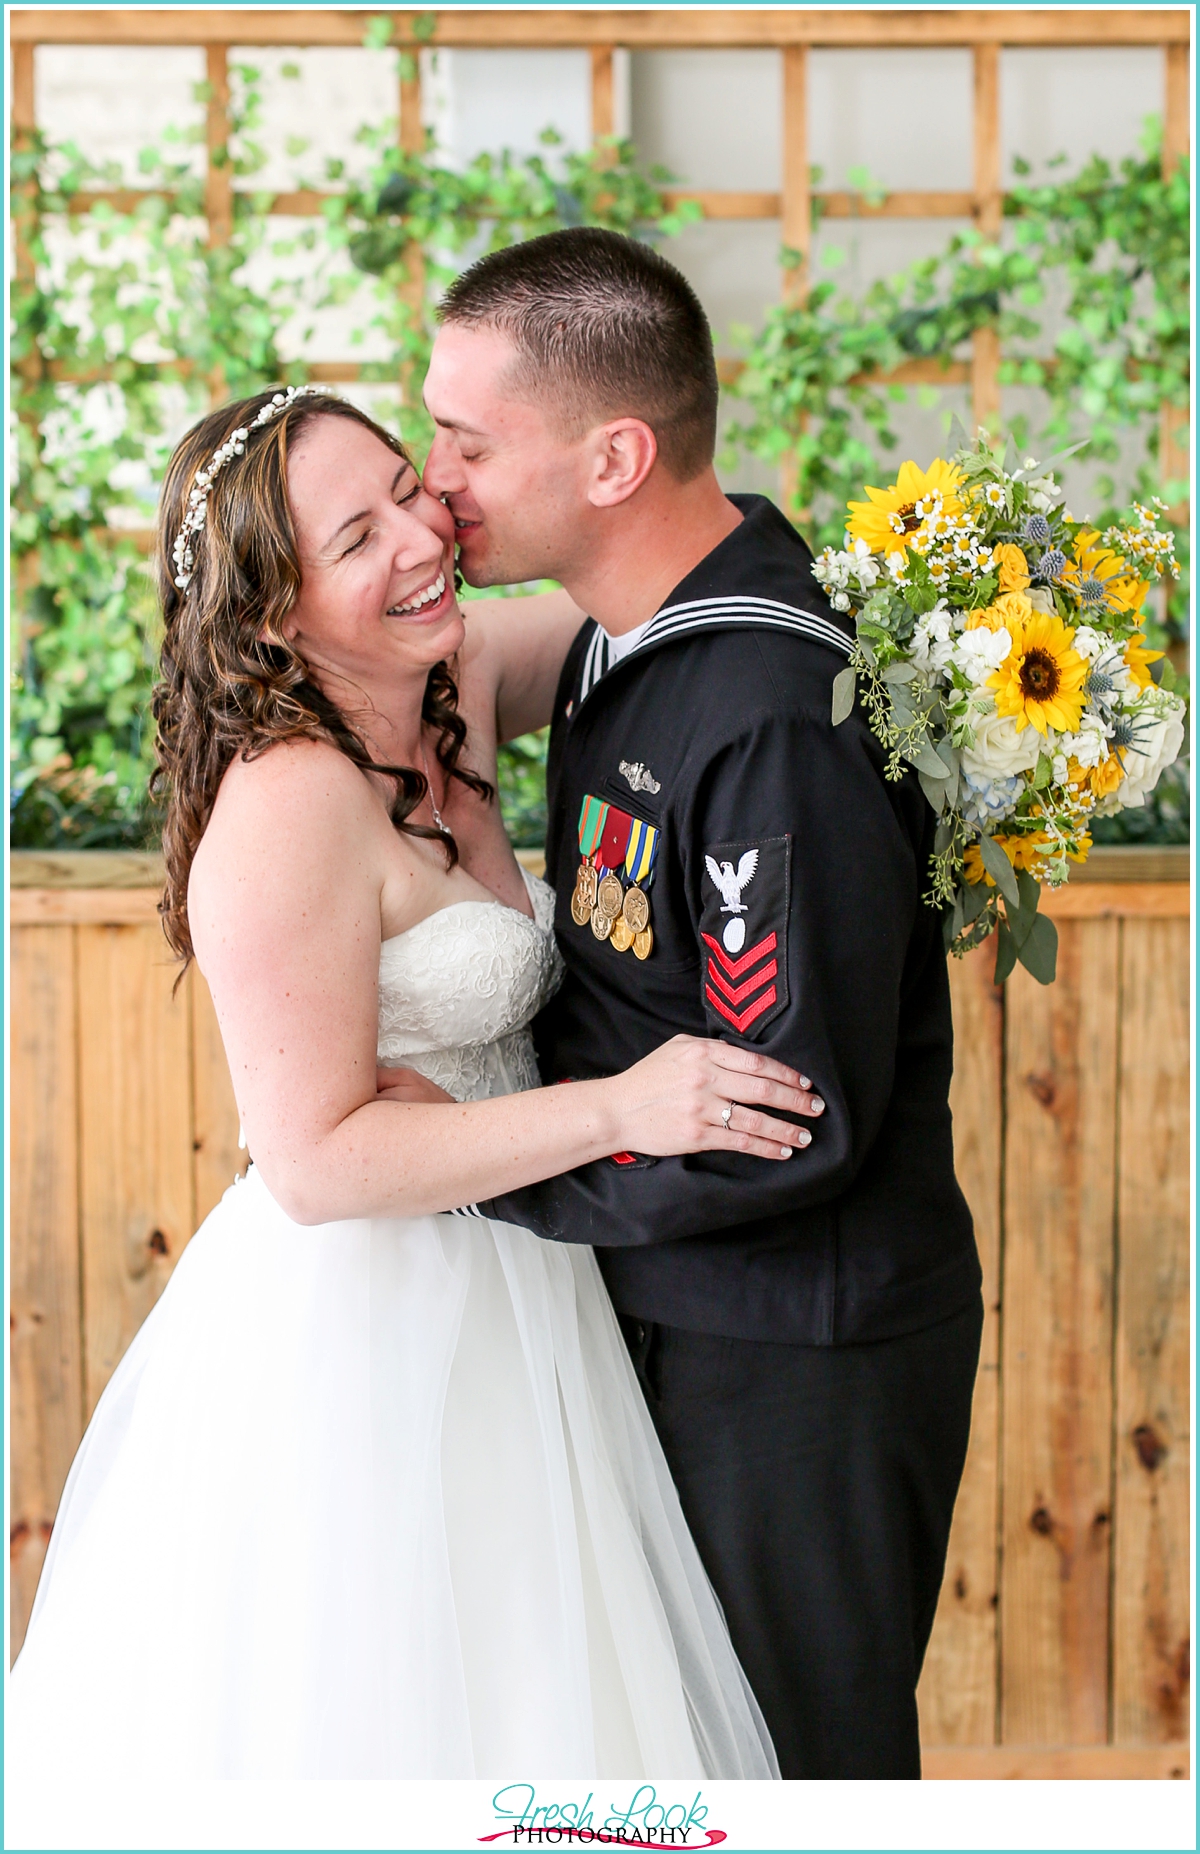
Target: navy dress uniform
{"x": 806, "y": 1332}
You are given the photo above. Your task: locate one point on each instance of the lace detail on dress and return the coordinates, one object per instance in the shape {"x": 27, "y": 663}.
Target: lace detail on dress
{"x": 458, "y": 991}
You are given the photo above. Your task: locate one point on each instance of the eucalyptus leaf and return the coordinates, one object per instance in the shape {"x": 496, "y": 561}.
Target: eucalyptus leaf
{"x": 943, "y": 837}
{"x": 1020, "y": 923}
{"x": 974, "y": 897}
{"x": 844, "y": 684}
{"x": 1000, "y": 869}
{"x": 1006, "y": 954}
{"x": 934, "y": 790}
{"x": 1039, "y": 954}
{"x": 927, "y": 761}
{"x": 958, "y": 916}
{"x": 899, "y": 672}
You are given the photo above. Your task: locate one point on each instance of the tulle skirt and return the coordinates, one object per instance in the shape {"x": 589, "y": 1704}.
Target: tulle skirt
{"x": 377, "y": 1499}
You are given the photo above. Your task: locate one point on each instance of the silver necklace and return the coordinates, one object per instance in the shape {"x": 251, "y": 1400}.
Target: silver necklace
{"x": 437, "y": 816}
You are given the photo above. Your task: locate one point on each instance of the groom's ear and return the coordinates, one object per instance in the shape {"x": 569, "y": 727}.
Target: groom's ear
{"x": 623, "y": 454}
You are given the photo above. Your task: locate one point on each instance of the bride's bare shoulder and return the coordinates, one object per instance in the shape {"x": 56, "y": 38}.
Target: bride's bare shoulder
{"x": 297, "y": 819}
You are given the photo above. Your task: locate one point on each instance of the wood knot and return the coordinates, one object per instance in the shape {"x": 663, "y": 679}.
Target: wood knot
{"x": 156, "y": 1242}
{"x": 960, "y": 1587}
{"x": 1149, "y": 1445}
{"x": 1041, "y": 1522}
{"x": 1041, "y": 1087}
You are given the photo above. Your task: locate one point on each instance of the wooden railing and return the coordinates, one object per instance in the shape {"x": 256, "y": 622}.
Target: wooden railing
{"x": 1060, "y": 1647}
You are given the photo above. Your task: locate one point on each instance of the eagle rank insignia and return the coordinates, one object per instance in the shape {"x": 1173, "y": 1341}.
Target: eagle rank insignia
{"x": 745, "y": 892}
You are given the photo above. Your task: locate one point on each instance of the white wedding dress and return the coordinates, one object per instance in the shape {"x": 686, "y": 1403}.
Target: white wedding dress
{"x": 381, "y": 1498}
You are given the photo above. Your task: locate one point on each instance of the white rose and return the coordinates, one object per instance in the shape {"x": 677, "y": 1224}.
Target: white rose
{"x": 999, "y": 751}
{"x": 932, "y": 643}
{"x": 1158, "y": 743}
{"x": 980, "y": 653}
{"x": 1089, "y": 643}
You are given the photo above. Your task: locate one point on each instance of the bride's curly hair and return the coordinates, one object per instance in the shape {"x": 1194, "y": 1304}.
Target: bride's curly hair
{"x": 231, "y": 683}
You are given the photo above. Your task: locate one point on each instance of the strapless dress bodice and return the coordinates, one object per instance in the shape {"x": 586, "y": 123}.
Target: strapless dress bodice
{"x": 458, "y": 992}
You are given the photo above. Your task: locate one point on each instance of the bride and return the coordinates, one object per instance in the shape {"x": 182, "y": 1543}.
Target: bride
{"x": 373, "y": 1493}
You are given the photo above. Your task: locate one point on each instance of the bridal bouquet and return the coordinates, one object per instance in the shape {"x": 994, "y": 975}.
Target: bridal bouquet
{"x": 1000, "y": 651}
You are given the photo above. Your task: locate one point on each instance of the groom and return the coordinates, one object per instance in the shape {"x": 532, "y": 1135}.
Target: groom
{"x": 806, "y": 1334}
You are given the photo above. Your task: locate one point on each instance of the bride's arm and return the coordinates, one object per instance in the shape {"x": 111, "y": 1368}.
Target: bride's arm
{"x": 522, "y": 645}
{"x": 284, "y": 905}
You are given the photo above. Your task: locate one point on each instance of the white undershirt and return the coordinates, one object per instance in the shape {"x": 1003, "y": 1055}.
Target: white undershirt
{"x": 619, "y": 647}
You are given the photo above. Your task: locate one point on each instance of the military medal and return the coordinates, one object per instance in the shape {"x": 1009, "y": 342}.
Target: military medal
{"x": 610, "y": 895}
{"x": 584, "y": 898}
{"x": 636, "y": 910}
{"x": 611, "y": 841}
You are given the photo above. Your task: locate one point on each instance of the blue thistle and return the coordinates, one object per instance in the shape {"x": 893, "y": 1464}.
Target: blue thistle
{"x": 1037, "y": 530}
{"x": 1124, "y": 736}
{"x": 1099, "y": 684}
{"x": 1052, "y": 566}
{"x": 1092, "y": 592}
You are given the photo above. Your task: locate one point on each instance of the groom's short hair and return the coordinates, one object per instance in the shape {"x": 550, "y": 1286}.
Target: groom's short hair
{"x": 603, "y": 328}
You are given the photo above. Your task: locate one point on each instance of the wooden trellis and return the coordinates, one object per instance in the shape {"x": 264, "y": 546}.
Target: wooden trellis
{"x": 792, "y": 31}
{"x": 1060, "y": 1647}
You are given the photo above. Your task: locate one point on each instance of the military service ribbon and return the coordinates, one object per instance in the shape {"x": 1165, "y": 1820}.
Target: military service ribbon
{"x": 609, "y": 840}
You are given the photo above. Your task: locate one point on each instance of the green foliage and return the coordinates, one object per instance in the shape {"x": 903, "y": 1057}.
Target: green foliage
{"x": 1115, "y": 243}
{"x": 126, "y": 322}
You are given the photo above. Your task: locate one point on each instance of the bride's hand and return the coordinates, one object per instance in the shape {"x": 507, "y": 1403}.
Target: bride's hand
{"x": 409, "y": 1085}
{"x": 676, "y": 1101}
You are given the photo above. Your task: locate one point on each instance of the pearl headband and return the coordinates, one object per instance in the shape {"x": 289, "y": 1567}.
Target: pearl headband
{"x": 197, "y": 503}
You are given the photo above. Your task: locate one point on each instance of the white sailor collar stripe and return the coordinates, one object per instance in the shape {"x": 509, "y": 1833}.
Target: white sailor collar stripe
{"x": 733, "y": 609}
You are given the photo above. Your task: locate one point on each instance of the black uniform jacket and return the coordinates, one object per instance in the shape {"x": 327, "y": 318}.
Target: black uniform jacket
{"x": 787, "y": 915}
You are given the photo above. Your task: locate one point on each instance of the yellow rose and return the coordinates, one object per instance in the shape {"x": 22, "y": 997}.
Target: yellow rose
{"x": 1009, "y": 613}
{"x": 1106, "y": 777}
{"x": 1014, "y": 568}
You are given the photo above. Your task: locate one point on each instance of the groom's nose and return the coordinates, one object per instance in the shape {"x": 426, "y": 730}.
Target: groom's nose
{"x": 443, "y": 467}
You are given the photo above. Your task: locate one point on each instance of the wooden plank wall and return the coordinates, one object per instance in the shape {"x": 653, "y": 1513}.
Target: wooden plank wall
{"x": 1061, "y": 1644}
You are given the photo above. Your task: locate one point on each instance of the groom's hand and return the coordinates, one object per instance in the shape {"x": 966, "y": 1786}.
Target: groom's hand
{"x": 408, "y": 1085}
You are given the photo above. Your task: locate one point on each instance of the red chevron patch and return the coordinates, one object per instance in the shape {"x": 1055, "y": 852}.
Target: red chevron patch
{"x": 735, "y": 967}
{"x": 740, "y": 1023}
{"x": 736, "y": 993}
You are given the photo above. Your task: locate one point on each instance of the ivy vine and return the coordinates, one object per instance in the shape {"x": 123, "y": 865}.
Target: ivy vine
{"x": 126, "y": 321}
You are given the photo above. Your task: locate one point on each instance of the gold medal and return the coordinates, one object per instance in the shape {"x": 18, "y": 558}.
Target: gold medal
{"x": 622, "y": 936}
{"x": 636, "y": 909}
{"x": 584, "y": 898}
{"x": 643, "y": 942}
{"x": 610, "y": 895}
{"x": 601, "y": 924}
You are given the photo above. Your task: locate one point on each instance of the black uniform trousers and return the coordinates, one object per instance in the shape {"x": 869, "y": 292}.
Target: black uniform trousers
{"x": 819, "y": 1484}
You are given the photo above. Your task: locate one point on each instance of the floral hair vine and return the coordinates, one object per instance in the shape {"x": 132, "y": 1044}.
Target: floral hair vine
{"x": 182, "y": 552}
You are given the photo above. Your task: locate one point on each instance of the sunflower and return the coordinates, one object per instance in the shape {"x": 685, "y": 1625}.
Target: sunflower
{"x": 1041, "y": 679}
{"x": 892, "y": 515}
{"x": 1137, "y": 661}
{"x": 1014, "y": 568}
{"x": 1101, "y": 579}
